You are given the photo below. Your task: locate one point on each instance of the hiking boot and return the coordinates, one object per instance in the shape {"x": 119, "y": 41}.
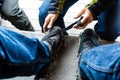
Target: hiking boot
{"x": 87, "y": 40}
{"x": 54, "y": 40}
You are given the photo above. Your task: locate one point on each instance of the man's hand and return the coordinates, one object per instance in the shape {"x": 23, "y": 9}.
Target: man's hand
{"x": 49, "y": 21}
{"x": 87, "y": 18}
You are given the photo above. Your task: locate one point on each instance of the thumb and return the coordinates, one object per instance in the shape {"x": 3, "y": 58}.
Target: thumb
{"x": 51, "y": 24}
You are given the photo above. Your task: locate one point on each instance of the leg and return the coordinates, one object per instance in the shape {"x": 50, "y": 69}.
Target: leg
{"x": 18, "y": 54}
{"x": 88, "y": 39}
{"x": 100, "y": 62}
{"x": 43, "y": 11}
{"x": 23, "y": 56}
{"x": 11, "y": 11}
{"x": 108, "y": 26}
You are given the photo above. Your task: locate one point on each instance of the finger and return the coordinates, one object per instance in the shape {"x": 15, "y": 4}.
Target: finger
{"x": 84, "y": 20}
{"x": 75, "y": 26}
{"x": 45, "y": 25}
{"x": 51, "y": 23}
{"x": 84, "y": 25}
{"x": 79, "y": 21}
{"x": 81, "y": 26}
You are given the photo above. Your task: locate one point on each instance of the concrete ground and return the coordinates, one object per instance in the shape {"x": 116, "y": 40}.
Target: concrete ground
{"x": 65, "y": 65}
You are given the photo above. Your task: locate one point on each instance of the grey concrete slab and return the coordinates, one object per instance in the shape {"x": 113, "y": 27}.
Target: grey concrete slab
{"x": 66, "y": 63}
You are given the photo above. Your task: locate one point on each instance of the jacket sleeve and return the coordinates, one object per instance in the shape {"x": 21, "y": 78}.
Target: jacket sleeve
{"x": 97, "y": 6}
{"x": 56, "y": 6}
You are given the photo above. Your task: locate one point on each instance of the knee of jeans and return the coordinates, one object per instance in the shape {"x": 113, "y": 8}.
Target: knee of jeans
{"x": 12, "y": 13}
{"x": 106, "y": 36}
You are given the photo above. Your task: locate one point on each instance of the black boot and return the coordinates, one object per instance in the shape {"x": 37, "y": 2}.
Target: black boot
{"x": 87, "y": 40}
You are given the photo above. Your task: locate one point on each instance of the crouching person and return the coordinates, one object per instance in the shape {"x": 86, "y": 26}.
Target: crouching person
{"x": 23, "y": 56}
{"x": 98, "y": 62}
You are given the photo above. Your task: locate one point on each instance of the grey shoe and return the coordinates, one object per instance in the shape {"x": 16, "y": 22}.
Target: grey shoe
{"x": 54, "y": 39}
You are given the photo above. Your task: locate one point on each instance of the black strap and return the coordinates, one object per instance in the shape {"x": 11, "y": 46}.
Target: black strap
{"x": 71, "y": 25}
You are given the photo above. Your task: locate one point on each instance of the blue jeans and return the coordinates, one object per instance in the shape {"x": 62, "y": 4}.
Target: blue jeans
{"x": 108, "y": 26}
{"x": 20, "y": 55}
{"x": 43, "y": 11}
{"x": 101, "y": 63}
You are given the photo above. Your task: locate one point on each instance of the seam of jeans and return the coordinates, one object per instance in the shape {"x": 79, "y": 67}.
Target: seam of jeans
{"x": 99, "y": 68}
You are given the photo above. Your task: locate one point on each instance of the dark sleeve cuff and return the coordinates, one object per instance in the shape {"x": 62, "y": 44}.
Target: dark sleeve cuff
{"x": 95, "y": 11}
{"x": 100, "y": 6}
{"x": 56, "y": 6}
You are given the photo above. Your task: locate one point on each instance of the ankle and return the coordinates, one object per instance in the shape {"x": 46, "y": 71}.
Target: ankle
{"x": 48, "y": 45}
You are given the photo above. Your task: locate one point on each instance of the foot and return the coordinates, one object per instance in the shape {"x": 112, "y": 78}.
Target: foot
{"x": 54, "y": 40}
{"x": 88, "y": 39}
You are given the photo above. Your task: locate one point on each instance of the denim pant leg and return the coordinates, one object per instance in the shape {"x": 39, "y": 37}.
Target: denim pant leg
{"x": 12, "y": 12}
{"x": 108, "y": 26}
{"x": 20, "y": 55}
{"x": 43, "y": 11}
{"x": 101, "y": 63}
